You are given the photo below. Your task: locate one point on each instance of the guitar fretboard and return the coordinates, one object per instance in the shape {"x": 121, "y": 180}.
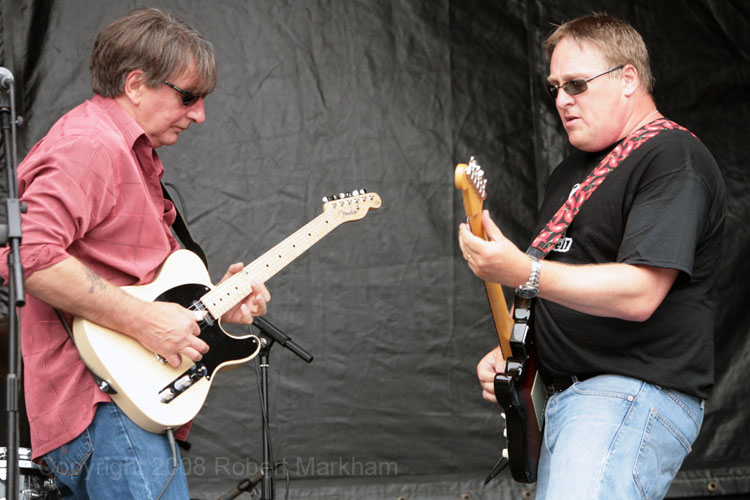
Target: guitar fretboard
{"x": 231, "y": 292}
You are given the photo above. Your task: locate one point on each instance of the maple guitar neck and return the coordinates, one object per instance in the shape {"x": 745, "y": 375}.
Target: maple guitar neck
{"x": 231, "y": 292}
{"x": 469, "y": 179}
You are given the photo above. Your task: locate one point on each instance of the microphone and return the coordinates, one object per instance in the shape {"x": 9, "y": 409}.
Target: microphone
{"x": 282, "y": 338}
{"x": 243, "y": 486}
{"x": 6, "y": 78}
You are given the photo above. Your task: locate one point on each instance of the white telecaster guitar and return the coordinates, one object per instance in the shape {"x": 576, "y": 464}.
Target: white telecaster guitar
{"x": 157, "y": 396}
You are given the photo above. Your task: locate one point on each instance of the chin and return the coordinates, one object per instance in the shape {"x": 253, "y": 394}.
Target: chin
{"x": 168, "y": 141}
{"x": 584, "y": 143}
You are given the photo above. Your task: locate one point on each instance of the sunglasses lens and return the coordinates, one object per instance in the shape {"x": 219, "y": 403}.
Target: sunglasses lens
{"x": 189, "y": 99}
{"x": 575, "y": 87}
{"x": 552, "y": 91}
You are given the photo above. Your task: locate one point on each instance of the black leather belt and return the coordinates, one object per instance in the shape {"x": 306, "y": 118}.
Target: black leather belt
{"x": 559, "y": 384}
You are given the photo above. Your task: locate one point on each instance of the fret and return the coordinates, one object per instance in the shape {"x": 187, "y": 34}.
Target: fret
{"x": 234, "y": 290}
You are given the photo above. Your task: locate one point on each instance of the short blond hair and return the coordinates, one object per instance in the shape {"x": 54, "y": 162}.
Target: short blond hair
{"x": 619, "y": 42}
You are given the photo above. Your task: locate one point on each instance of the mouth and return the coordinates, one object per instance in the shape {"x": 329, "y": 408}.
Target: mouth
{"x": 570, "y": 120}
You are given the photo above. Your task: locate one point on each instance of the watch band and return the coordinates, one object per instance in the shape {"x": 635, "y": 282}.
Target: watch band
{"x": 530, "y": 289}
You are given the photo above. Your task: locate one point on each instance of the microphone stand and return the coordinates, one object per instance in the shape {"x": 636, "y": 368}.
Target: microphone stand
{"x": 10, "y": 234}
{"x": 245, "y": 485}
{"x": 271, "y": 334}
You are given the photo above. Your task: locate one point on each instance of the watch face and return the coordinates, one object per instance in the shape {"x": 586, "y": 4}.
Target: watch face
{"x": 526, "y": 293}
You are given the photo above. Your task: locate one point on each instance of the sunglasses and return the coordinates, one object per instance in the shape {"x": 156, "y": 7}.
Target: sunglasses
{"x": 577, "y": 86}
{"x": 188, "y": 98}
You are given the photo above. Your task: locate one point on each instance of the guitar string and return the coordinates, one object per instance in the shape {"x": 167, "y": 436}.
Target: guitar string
{"x": 316, "y": 229}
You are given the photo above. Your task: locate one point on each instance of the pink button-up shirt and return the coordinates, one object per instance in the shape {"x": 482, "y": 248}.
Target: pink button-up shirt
{"x": 92, "y": 186}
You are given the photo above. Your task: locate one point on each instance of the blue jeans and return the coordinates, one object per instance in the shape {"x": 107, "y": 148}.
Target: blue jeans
{"x": 116, "y": 459}
{"x": 612, "y": 437}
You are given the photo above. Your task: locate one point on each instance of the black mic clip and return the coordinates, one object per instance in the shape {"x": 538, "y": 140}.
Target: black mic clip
{"x": 282, "y": 338}
{"x": 246, "y": 485}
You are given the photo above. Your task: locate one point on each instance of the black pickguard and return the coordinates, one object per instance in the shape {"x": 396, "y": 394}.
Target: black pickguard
{"x": 222, "y": 347}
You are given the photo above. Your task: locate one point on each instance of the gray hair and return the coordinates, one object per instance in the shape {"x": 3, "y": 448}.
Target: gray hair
{"x": 154, "y": 42}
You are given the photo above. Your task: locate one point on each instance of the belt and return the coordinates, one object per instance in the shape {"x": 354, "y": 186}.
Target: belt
{"x": 559, "y": 384}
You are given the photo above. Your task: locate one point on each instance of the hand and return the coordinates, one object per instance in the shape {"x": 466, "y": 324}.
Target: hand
{"x": 172, "y": 331}
{"x": 491, "y": 364}
{"x": 496, "y": 259}
{"x": 255, "y": 304}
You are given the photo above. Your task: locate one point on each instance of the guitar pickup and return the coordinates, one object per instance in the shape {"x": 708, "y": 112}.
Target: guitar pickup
{"x": 182, "y": 383}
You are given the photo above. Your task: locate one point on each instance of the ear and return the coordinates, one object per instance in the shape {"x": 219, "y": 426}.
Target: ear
{"x": 630, "y": 79}
{"x": 135, "y": 84}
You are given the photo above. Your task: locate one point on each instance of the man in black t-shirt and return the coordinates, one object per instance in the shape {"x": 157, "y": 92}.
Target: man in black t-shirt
{"x": 623, "y": 321}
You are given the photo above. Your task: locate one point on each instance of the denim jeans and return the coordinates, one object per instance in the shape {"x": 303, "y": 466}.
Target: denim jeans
{"x": 613, "y": 437}
{"x": 116, "y": 459}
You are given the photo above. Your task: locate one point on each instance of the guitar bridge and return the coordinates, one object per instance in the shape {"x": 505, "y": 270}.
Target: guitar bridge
{"x": 182, "y": 383}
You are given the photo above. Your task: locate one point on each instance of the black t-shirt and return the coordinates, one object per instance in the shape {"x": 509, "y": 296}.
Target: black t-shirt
{"x": 662, "y": 206}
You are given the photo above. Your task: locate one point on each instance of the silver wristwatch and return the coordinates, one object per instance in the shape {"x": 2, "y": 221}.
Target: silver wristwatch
{"x": 530, "y": 289}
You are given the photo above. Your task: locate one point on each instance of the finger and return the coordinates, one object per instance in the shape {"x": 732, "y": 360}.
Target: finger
{"x": 174, "y": 360}
{"x": 463, "y": 242}
{"x": 192, "y": 354}
{"x": 462, "y": 234}
{"x": 260, "y": 310}
{"x": 246, "y": 314}
{"x": 232, "y": 269}
{"x": 489, "y": 396}
{"x": 198, "y": 345}
{"x": 261, "y": 291}
{"x": 469, "y": 242}
{"x": 200, "y": 315}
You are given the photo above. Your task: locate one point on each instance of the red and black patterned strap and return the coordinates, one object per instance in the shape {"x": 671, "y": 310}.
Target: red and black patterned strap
{"x": 558, "y": 224}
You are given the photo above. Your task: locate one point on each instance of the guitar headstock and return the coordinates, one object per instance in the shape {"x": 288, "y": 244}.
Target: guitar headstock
{"x": 469, "y": 179}
{"x": 351, "y": 206}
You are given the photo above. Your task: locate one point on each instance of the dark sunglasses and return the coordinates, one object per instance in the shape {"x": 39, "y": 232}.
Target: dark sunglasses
{"x": 577, "y": 86}
{"x": 188, "y": 98}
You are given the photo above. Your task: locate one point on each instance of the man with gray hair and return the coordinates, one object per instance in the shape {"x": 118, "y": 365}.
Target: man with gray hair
{"x": 98, "y": 220}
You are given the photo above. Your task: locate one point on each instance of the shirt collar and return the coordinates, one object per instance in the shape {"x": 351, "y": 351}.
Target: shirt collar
{"x": 129, "y": 128}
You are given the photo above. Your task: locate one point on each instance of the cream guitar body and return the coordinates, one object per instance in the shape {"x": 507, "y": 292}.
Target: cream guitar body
{"x": 157, "y": 396}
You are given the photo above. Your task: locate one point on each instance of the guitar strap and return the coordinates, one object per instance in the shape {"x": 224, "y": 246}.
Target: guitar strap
{"x": 558, "y": 224}
{"x": 179, "y": 226}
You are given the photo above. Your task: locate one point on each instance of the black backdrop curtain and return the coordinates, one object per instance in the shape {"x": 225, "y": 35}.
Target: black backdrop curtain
{"x": 319, "y": 97}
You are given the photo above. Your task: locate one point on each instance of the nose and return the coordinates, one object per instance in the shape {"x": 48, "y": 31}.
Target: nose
{"x": 562, "y": 98}
{"x": 197, "y": 111}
